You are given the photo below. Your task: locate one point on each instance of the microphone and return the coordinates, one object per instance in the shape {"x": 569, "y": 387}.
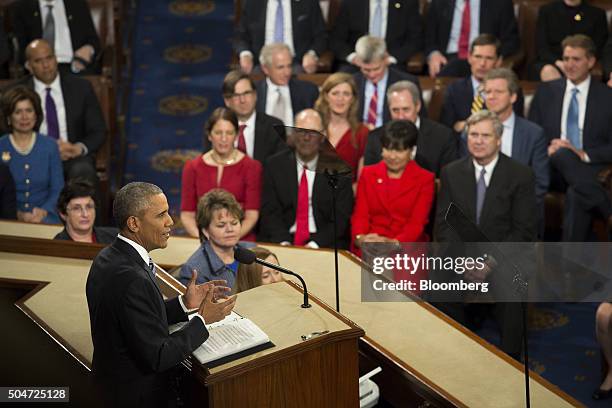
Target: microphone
{"x": 244, "y": 256}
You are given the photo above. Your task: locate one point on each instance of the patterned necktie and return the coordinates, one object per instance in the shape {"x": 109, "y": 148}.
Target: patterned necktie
{"x": 302, "y": 234}
{"x": 241, "y": 141}
{"x": 279, "y": 23}
{"x": 376, "y": 30}
{"x": 279, "y": 105}
{"x": 51, "y": 116}
{"x": 464, "y": 36}
{"x": 477, "y": 103}
{"x": 49, "y": 27}
{"x": 573, "y": 113}
{"x": 373, "y": 107}
{"x": 151, "y": 268}
{"x": 481, "y": 192}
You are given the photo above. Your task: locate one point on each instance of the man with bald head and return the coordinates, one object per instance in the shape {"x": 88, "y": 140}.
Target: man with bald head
{"x": 72, "y": 113}
{"x": 297, "y": 199}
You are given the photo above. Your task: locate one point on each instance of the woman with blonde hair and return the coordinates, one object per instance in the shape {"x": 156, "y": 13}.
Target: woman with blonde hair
{"x": 253, "y": 275}
{"x": 338, "y": 104}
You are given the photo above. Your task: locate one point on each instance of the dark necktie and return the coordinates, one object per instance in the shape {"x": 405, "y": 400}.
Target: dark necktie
{"x": 301, "y": 215}
{"x": 573, "y": 115}
{"x": 49, "y": 27}
{"x": 481, "y": 192}
{"x": 152, "y": 268}
{"x": 51, "y": 116}
{"x": 241, "y": 141}
{"x": 464, "y": 35}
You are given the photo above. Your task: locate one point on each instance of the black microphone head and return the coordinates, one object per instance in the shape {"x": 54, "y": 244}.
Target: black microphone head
{"x": 244, "y": 256}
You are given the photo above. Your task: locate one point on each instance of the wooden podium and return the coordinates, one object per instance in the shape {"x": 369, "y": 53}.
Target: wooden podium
{"x": 320, "y": 372}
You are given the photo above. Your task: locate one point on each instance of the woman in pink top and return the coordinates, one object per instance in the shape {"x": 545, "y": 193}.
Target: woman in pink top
{"x": 226, "y": 167}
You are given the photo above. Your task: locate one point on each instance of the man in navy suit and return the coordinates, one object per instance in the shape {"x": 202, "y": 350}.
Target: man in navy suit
{"x": 297, "y": 23}
{"x": 374, "y": 78}
{"x": 280, "y": 94}
{"x": 398, "y": 22}
{"x": 450, "y": 28}
{"x": 522, "y": 140}
{"x": 462, "y": 97}
{"x": 576, "y": 114}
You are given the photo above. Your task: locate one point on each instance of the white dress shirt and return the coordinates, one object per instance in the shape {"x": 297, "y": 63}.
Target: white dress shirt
{"x": 508, "y": 135}
{"x": 310, "y": 177}
{"x": 249, "y": 135}
{"x": 288, "y": 23}
{"x": 488, "y": 170}
{"x": 271, "y": 101}
{"x": 455, "y": 32}
{"x": 369, "y": 91}
{"x": 63, "y": 41}
{"x": 583, "y": 94}
{"x": 60, "y": 107}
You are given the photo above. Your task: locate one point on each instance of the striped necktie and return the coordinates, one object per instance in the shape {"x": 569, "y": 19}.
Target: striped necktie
{"x": 477, "y": 103}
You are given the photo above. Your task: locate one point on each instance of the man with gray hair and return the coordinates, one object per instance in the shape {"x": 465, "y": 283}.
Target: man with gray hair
{"x": 373, "y": 79}
{"x": 497, "y": 194}
{"x": 436, "y": 145}
{"x": 134, "y": 356}
{"x": 279, "y": 94}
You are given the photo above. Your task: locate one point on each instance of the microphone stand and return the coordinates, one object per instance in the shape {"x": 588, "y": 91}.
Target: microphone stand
{"x": 332, "y": 180}
{"x": 305, "y": 305}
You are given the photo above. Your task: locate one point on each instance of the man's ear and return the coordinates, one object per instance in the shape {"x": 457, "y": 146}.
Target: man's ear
{"x": 133, "y": 224}
{"x": 28, "y": 67}
{"x": 62, "y": 216}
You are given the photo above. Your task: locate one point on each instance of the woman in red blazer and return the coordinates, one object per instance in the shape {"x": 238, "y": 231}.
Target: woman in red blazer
{"x": 394, "y": 196}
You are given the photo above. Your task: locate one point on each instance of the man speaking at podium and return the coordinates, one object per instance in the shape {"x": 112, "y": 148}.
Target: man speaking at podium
{"x": 134, "y": 355}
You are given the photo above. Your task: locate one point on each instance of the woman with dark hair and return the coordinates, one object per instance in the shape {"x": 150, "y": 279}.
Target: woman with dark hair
{"x": 226, "y": 167}
{"x": 394, "y": 196}
{"x": 32, "y": 158}
{"x": 219, "y": 222}
{"x": 338, "y": 104}
{"x": 77, "y": 209}
{"x": 253, "y": 275}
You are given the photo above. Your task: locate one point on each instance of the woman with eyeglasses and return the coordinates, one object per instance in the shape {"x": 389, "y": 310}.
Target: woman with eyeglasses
{"x": 223, "y": 166}
{"x": 33, "y": 159}
{"x": 77, "y": 209}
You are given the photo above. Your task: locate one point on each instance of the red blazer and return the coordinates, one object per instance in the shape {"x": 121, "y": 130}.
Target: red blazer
{"x": 395, "y": 213}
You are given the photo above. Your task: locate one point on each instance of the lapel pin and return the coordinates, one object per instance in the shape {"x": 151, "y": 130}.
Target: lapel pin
{"x": 379, "y": 181}
{"x": 578, "y": 17}
{"x": 397, "y": 5}
{"x": 6, "y": 156}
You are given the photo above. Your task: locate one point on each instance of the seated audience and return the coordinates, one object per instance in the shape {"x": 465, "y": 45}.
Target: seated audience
{"x": 557, "y": 20}
{"x": 297, "y": 199}
{"x": 603, "y": 326}
{"x": 299, "y": 24}
{"x": 257, "y": 136}
{"x": 66, "y": 25}
{"x": 226, "y": 167}
{"x": 451, "y": 27}
{"x": 33, "y": 158}
{"x": 338, "y": 104}
{"x": 76, "y": 207}
{"x": 466, "y": 96}
{"x": 72, "y": 114}
{"x": 279, "y": 94}
{"x": 8, "y": 198}
{"x": 576, "y": 115}
{"x": 253, "y": 275}
{"x": 394, "y": 197}
{"x": 219, "y": 221}
{"x": 436, "y": 146}
{"x": 374, "y": 78}
{"x": 397, "y": 22}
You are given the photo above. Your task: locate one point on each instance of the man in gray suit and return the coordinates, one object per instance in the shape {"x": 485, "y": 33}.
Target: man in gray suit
{"x": 522, "y": 140}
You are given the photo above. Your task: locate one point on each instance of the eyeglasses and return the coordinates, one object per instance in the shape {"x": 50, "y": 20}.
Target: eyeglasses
{"x": 79, "y": 208}
{"x": 243, "y": 94}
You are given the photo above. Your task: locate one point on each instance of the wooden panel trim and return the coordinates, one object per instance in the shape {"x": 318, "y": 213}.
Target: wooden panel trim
{"x": 49, "y": 247}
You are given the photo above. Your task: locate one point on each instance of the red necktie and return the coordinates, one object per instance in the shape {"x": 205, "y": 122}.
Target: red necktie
{"x": 464, "y": 37}
{"x": 301, "y": 215}
{"x": 373, "y": 107}
{"x": 241, "y": 141}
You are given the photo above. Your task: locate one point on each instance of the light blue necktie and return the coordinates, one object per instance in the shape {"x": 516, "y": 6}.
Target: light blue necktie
{"x": 481, "y": 191}
{"x": 376, "y": 30}
{"x": 279, "y": 23}
{"x": 572, "y": 129}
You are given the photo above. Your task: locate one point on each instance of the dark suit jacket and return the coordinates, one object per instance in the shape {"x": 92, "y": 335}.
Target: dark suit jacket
{"x": 129, "y": 328}
{"x": 28, "y": 24}
{"x": 394, "y": 76}
{"x": 404, "y": 36}
{"x": 509, "y": 210}
{"x": 84, "y": 118}
{"x": 267, "y": 140}
{"x": 303, "y": 95}
{"x": 8, "y": 197}
{"x": 279, "y": 204}
{"x": 307, "y": 22}
{"x": 546, "y": 110}
{"x": 458, "y": 102}
{"x": 496, "y": 17}
{"x": 529, "y": 147}
{"x": 104, "y": 235}
{"x": 555, "y": 22}
{"x": 436, "y": 146}
{"x": 607, "y": 59}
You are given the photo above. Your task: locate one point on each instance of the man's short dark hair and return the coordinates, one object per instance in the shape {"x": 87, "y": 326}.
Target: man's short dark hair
{"x": 132, "y": 200}
{"x": 580, "y": 41}
{"x": 486, "y": 39}
{"x": 76, "y": 188}
{"x": 399, "y": 135}
{"x": 231, "y": 79}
